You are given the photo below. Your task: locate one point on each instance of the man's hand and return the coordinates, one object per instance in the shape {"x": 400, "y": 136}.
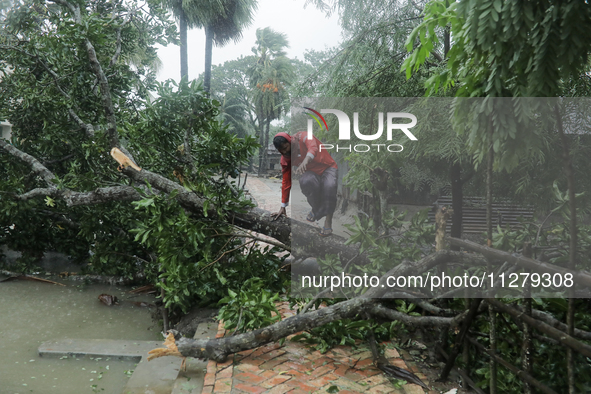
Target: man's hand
{"x": 302, "y": 168}
{"x": 281, "y": 212}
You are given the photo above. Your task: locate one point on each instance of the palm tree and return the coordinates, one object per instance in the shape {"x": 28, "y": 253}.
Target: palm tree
{"x": 186, "y": 21}
{"x": 223, "y": 20}
{"x": 269, "y": 76}
{"x": 226, "y": 26}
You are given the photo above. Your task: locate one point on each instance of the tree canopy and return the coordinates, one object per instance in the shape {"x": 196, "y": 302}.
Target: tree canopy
{"x": 78, "y": 85}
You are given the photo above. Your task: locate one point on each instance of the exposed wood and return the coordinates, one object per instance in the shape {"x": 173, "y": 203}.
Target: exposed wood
{"x": 441, "y": 217}
{"x": 457, "y": 197}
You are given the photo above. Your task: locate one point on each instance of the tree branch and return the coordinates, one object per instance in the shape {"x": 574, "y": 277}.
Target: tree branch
{"x": 118, "y": 42}
{"x": 105, "y": 91}
{"x": 551, "y": 321}
{"x": 36, "y": 167}
{"x": 382, "y": 311}
{"x": 582, "y": 277}
{"x": 103, "y": 195}
{"x": 219, "y": 349}
{"x": 552, "y": 332}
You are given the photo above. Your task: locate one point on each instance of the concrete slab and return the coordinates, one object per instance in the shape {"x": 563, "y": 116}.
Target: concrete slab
{"x": 191, "y": 381}
{"x": 154, "y": 377}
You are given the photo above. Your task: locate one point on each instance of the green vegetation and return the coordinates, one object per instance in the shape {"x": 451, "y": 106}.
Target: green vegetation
{"x": 77, "y": 80}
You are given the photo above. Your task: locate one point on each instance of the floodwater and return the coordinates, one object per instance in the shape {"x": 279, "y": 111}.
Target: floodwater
{"x": 32, "y": 313}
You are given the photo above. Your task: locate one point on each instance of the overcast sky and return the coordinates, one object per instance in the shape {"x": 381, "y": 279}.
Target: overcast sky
{"x": 305, "y": 28}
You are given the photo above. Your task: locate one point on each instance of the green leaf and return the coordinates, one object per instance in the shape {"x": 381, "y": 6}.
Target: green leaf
{"x": 49, "y": 201}
{"x": 498, "y": 5}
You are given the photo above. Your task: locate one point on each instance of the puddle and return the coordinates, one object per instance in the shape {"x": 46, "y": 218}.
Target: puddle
{"x": 32, "y": 313}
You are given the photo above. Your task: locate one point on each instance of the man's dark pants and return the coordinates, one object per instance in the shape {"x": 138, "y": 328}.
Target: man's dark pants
{"x": 321, "y": 191}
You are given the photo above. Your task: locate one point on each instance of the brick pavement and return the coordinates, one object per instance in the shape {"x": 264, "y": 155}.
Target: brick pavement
{"x": 295, "y": 368}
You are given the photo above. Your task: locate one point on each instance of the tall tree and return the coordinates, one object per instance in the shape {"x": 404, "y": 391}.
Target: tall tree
{"x": 186, "y": 21}
{"x": 226, "y": 26}
{"x": 269, "y": 77}
{"x": 222, "y": 20}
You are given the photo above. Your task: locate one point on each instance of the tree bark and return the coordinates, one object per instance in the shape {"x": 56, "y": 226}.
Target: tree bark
{"x": 491, "y": 313}
{"x": 526, "y": 344}
{"x": 460, "y": 338}
{"x": 457, "y": 196}
{"x": 546, "y": 318}
{"x": 184, "y": 49}
{"x": 265, "y": 146}
{"x": 261, "y": 143}
{"x": 208, "y": 58}
{"x": 572, "y": 255}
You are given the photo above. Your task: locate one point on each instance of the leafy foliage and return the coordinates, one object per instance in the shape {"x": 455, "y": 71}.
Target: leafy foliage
{"x": 50, "y": 95}
{"x": 346, "y": 332}
{"x": 502, "y": 49}
{"x": 252, "y": 307}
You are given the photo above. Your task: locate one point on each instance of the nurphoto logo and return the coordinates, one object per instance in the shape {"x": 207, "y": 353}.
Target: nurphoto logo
{"x": 345, "y": 130}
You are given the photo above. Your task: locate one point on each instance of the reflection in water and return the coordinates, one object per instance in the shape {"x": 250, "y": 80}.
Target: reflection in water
{"x": 32, "y": 313}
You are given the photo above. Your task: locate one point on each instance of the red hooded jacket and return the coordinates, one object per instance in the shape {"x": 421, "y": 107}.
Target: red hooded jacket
{"x": 302, "y": 146}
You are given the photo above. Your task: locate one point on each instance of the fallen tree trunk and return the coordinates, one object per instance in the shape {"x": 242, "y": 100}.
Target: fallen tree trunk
{"x": 219, "y": 349}
{"x": 306, "y": 243}
{"x": 582, "y": 277}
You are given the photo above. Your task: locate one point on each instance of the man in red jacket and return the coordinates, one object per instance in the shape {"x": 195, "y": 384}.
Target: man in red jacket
{"x": 318, "y": 179}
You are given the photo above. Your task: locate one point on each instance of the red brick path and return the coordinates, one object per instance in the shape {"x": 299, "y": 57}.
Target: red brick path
{"x": 294, "y": 368}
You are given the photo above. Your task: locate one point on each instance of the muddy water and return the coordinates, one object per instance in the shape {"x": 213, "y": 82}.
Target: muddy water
{"x": 32, "y": 313}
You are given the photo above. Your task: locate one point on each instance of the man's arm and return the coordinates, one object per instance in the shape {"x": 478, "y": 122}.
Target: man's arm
{"x": 312, "y": 151}
{"x": 285, "y": 190}
{"x": 285, "y": 185}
